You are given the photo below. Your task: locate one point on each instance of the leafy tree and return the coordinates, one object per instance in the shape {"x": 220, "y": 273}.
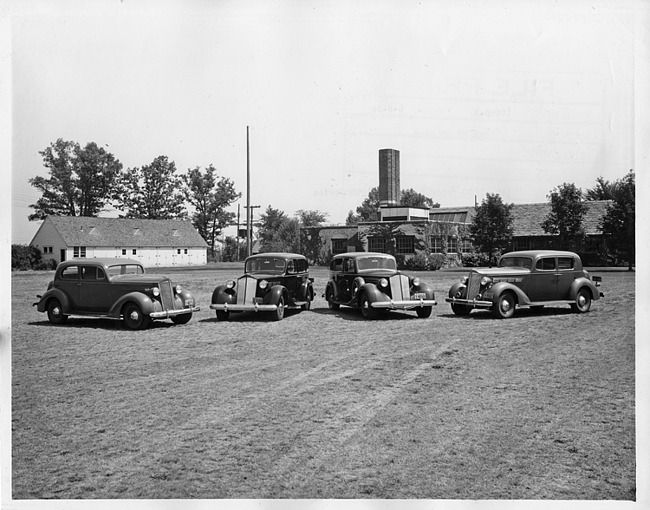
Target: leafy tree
{"x": 604, "y": 190}
{"x": 311, "y": 218}
{"x": 619, "y": 221}
{"x": 367, "y": 211}
{"x": 567, "y": 212}
{"x": 210, "y": 197}
{"x": 153, "y": 192}
{"x": 352, "y": 219}
{"x": 411, "y": 198}
{"x": 80, "y": 182}
{"x": 491, "y": 228}
{"x": 231, "y": 246}
{"x": 278, "y": 232}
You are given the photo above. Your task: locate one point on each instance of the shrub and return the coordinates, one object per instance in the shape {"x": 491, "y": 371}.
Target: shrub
{"x": 437, "y": 261}
{"x": 419, "y": 262}
{"x": 24, "y": 257}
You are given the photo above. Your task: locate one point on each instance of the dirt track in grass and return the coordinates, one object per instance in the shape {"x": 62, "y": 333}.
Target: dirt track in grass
{"x": 324, "y": 404}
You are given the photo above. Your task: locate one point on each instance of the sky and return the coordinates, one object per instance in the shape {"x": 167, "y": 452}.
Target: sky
{"x": 495, "y": 96}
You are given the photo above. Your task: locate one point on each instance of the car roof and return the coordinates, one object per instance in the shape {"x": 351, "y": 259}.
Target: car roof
{"x": 101, "y": 261}
{"x": 540, "y": 253}
{"x": 279, "y": 255}
{"x": 357, "y": 254}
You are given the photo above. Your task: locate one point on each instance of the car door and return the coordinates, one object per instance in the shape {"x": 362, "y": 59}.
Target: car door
{"x": 94, "y": 291}
{"x": 347, "y": 278}
{"x": 543, "y": 284}
{"x": 565, "y": 275}
{"x": 69, "y": 283}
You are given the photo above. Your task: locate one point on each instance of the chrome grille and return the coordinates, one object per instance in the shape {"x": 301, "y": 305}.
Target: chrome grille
{"x": 399, "y": 287}
{"x": 167, "y": 295}
{"x": 473, "y": 285}
{"x": 246, "y": 288}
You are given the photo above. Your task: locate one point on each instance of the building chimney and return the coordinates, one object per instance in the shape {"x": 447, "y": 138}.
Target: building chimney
{"x": 389, "y": 189}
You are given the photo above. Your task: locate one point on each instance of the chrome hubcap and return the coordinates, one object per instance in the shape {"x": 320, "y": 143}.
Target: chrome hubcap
{"x": 134, "y": 315}
{"x": 582, "y": 300}
{"x": 56, "y": 311}
{"x": 505, "y": 305}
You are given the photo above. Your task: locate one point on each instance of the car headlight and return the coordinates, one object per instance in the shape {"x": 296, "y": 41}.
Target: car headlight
{"x": 416, "y": 282}
{"x": 485, "y": 281}
{"x": 263, "y": 284}
{"x": 463, "y": 280}
{"x": 155, "y": 291}
{"x": 179, "y": 289}
{"x": 383, "y": 282}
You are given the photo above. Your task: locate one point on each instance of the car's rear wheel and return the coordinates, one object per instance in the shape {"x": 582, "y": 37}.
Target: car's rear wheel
{"x": 310, "y": 297}
{"x": 278, "y": 314}
{"x": 583, "y": 301}
{"x": 55, "y": 312}
{"x": 329, "y": 297}
{"x": 367, "y": 311}
{"x": 134, "y": 318}
{"x": 424, "y": 311}
{"x": 223, "y": 315}
{"x": 182, "y": 319}
{"x": 460, "y": 309}
{"x": 504, "y": 308}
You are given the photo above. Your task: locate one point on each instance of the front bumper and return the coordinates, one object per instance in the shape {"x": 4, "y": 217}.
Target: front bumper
{"x": 255, "y": 307}
{"x": 404, "y": 304}
{"x": 474, "y": 303}
{"x": 172, "y": 313}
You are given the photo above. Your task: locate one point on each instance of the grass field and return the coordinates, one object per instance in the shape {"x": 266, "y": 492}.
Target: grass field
{"x": 324, "y": 404}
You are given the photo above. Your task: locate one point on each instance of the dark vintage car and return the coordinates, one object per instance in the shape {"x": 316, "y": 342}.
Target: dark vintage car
{"x": 526, "y": 279}
{"x": 271, "y": 283}
{"x": 371, "y": 282}
{"x": 114, "y": 288}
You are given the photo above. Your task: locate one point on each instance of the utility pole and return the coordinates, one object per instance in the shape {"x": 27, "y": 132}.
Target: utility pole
{"x": 237, "y": 236}
{"x": 248, "y": 197}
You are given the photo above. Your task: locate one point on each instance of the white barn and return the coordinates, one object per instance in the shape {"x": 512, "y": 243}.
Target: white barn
{"x": 162, "y": 243}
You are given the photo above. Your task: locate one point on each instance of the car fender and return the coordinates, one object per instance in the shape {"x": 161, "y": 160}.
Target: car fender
{"x": 222, "y": 294}
{"x": 424, "y": 287}
{"x": 272, "y": 297}
{"x": 456, "y": 288}
{"x": 500, "y": 287}
{"x": 332, "y": 288}
{"x": 142, "y": 300}
{"x": 579, "y": 283}
{"x": 184, "y": 296}
{"x": 373, "y": 293}
{"x": 306, "y": 291}
{"x": 56, "y": 294}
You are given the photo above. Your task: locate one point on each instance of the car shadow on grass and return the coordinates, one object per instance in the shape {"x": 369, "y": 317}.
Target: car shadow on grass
{"x": 520, "y": 313}
{"x": 100, "y": 323}
{"x": 354, "y": 314}
{"x": 254, "y": 316}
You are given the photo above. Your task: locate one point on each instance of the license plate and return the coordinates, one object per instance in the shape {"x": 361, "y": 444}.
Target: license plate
{"x": 488, "y": 294}
{"x": 419, "y": 295}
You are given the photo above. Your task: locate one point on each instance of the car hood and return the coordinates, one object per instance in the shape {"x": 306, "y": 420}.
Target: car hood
{"x": 262, "y": 276}
{"x": 138, "y": 278}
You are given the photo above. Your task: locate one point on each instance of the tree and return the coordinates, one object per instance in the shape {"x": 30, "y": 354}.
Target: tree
{"x": 567, "y": 213}
{"x": 619, "y": 221}
{"x": 352, "y": 219}
{"x": 210, "y": 197}
{"x": 411, "y": 198}
{"x": 80, "y": 183}
{"x": 604, "y": 190}
{"x": 491, "y": 228}
{"x": 311, "y": 218}
{"x": 152, "y": 192}
{"x": 278, "y": 232}
{"x": 367, "y": 211}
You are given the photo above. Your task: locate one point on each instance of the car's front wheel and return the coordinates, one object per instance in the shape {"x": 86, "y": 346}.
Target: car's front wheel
{"x": 424, "y": 311}
{"x": 278, "y": 314}
{"x": 223, "y": 315}
{"x": 460, "y": 309}
{"x": 504, "y": 308}
{"x": 55, "y": 312}
{"x": 310, "y": 298}
{"x": 134, "y": 318}
{"x": 184, "y": 318}
{"x": 583, "y": 301}
{"x": 329, "y": 297}
{"x": 367, "y": 311}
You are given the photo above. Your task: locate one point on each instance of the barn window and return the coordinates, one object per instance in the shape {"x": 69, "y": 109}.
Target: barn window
{"x": 79, "y": 251}
{"x": 135, "y": 251}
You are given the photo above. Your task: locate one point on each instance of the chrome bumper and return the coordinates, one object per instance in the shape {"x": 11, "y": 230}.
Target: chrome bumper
{"x": 255, "y": 307}
{"x": 475, "y": 303}
{"x": 404, "y": 304}
{"x": 172, "y": 313}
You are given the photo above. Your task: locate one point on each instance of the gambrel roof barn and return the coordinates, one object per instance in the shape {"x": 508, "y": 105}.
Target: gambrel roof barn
{"x": 153, "y": 242}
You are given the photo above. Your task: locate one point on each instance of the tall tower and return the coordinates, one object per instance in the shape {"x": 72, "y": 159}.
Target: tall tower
{"x": 389, "y": 190}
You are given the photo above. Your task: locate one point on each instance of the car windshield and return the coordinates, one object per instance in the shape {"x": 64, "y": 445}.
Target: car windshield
{"x": 266, "y": 265}
{"x": 525, "y": 262}
{"x": 364, "y": 263}
{"x": 125, "y": 269}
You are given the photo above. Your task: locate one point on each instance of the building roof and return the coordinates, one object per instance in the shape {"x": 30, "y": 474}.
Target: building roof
{"x": 528, "y": 218}
{"x": 86, "y": 231}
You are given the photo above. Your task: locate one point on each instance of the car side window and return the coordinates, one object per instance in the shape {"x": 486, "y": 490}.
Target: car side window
{"x": 565, "y": 263}
{"x": 89, "y": 273}
{"x": 291, "y": 267}
{"x": 546, "y": 264}
{"x": 349, "y": 266}
{"x": 70, "y": 273}
{"x": 336, "y": 265}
